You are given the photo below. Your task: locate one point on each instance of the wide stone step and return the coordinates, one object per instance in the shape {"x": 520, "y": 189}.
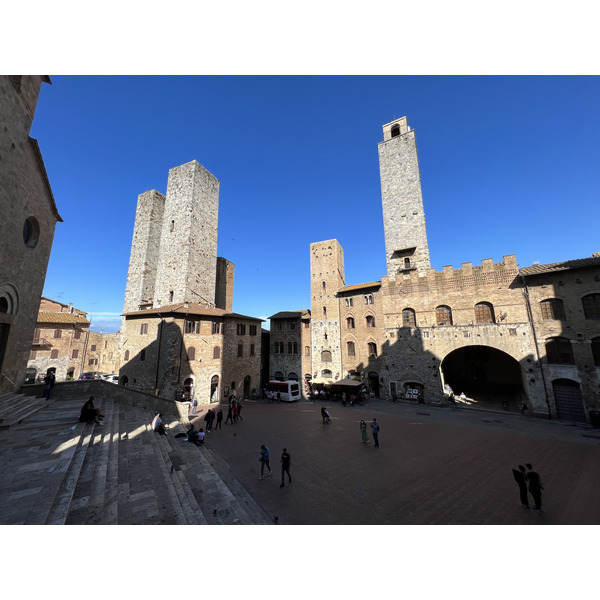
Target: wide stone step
{"x": 21, "y": 408}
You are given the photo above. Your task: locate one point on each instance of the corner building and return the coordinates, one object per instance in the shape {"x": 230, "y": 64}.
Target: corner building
{"x": 493, "y": 331}
{"x": 179, "y": 335}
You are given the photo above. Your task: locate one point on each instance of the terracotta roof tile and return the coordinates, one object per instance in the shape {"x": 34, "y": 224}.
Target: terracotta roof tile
{"x": 358, "y": 286}
{"x": 566, "y": 265}
{"x": 60, "y": 317}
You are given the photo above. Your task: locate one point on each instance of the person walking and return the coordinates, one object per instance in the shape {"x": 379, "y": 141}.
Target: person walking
{"x": 375, "y": 432}
{"x": 363, "y": 432}
{"x": 236, "y": 412}
{"x": 194, "y": 406}
{"x": 264, "y": 460}
{"x": 229, "y": 415}
{"x": 519, "y": 476}
{"x": 239, "y": 413}
{"x": 286, "y": 461}
{"x": 535, "y": 486}
{"x": 219, "y": 419}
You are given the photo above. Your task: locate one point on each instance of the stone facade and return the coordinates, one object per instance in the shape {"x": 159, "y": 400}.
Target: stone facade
{"x": 29, "y": 218}
{"x": 63, "y": 342}
{"x": 290, "y": 355}
{"x": 60, "y": 341}
{"x": 169, "y": 349}
{"x": 406, "y": 244}
{"x": 179, "y": 335}
{"x": 494, "y": 331}
{"x": 326, "y": 278}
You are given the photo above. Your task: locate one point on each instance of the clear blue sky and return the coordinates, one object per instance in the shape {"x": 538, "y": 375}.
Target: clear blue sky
{"x": 509, "y": 165}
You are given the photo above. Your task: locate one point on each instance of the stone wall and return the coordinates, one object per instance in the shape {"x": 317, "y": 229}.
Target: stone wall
{"x": 187, "y": 263}
{"x": 404, "y": 215}
{"x": 25, "y": 197}
{"x": 327, "y": 277}
{"x": 145, "y": 247}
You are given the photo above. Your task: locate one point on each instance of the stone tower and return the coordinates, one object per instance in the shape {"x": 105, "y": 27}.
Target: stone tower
{"x": 187, "y": 262}
{"x": 224, "y": 284}
{"x": 145, "y": 246}
{"x": 403, "y": 214}
{"x": 327, "y": 277}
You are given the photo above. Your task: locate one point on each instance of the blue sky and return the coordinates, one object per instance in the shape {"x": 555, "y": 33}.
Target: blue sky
{"x": 509, "y": 164}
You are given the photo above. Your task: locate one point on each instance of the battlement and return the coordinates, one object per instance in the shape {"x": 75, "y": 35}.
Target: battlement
{"x": 507, "y": 267}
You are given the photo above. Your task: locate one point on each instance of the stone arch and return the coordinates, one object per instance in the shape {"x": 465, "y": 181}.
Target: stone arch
{"x": 214, "y": 388}
{"x": 9, "y": 299}
{"x": 486, "y": 375}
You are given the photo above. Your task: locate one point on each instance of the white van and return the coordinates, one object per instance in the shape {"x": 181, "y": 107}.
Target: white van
{"x": 289, "y": 391}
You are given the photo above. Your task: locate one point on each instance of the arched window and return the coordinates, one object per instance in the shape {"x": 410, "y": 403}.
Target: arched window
{"x": 326, "y": 373}
{"x": 126, "y": 355}
{"x": 553, "y": 309}
{"x": 443, "y": 315}
{"x": 143, "y": 354}
{"x": 241, "y": 349}
{"x": 351, "y": 350}
{"x": 370, "y": 321}
{"x": 369, "y": 299}
{"x": 191, "y": 353}
{"x": 324, "y": 312}
{"x": 409, "y": 318}
{"x": 290, "y": 348}
{"x": 591, "y": 306}
{"x": 292, "y": 377}
{"x": 395, "y": 131}
{"x": 407, "y": 263}
{"x": 350, "y": 323}
{"x": 559, "y": 351}
{"x": 325, "y": 356}
{"x": 57, "y": 333}
{"x": 295, "y": 347}
{"x": 54, "y": 354}
{"x": 372, "y": 349}
{"x": 278, "y": 376}
{"x": 596, "y": 350}
{"x": 217, "y": 352}
{"x": 306, "y": 350}
{"x": 484, "y": 313}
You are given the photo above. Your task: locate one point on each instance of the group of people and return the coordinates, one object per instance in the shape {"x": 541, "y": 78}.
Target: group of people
{"x": 527, "y": 478}
{"x": 234, "y": 412}
{"x": 286, "y": 461}
{"x": 374, "y": 432}
{"x": 213, "y": 419}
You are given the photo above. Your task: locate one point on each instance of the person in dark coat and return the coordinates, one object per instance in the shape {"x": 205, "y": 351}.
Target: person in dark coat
{"x": 522, "y": 482}
{"x": 89, "y": 413}
{"x": 535, "y": 486}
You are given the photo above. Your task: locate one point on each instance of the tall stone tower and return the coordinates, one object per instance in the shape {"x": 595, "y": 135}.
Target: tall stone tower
{"x": 187, "y": 260}
{"x": 403, "y": 214}
{"x": 224, "y": 284}
{"x": 326, "y": 278}
{"x": 145, "y": 246}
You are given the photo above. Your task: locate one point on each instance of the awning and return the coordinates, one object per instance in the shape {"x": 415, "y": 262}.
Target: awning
{"x": 321, "y": 381}
{"x": 348, "y": 383}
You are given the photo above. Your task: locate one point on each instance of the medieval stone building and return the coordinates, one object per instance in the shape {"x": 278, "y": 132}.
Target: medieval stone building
{"x": 290, "y": 354}
{"x": 179, "y": 334}
{"x": 493, "y": 331}
{"x": 29, "y": 218}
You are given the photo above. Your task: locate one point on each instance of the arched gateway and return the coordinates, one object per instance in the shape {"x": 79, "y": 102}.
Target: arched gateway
{"x": 485, "y": 374}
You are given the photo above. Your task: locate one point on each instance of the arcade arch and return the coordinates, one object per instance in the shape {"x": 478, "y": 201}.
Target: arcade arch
{"x": 486, "y": 374}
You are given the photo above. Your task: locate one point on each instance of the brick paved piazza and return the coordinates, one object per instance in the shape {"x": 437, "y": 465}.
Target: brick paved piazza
{"x": 435, "y": 465}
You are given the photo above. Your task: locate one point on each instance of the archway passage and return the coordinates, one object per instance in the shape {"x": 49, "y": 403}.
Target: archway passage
{"x": 486, "y": 375}
{"x": 568, "y": 400}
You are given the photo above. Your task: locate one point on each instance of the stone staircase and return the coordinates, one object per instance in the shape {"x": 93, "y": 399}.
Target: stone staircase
{"x": 15, "y": 407}
{"x": 59, "y": 471}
